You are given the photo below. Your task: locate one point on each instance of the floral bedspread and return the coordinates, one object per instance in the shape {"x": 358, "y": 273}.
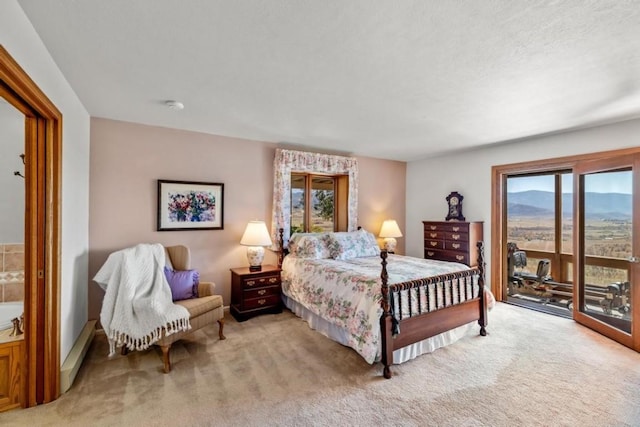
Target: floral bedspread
{"x": 347, "y": 293}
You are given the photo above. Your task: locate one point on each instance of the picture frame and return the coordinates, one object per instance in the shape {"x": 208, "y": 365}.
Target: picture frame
{"x": 190, "y": 205}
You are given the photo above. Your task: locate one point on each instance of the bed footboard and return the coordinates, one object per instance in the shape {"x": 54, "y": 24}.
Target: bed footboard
{"x": 422, "y": 308}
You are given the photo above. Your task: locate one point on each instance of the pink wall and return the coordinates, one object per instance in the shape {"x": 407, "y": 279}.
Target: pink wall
{"x": 381, "y": 195}
{"x": 128, "y": 158}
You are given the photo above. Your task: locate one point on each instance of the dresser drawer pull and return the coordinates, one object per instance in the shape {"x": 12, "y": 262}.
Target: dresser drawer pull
{"x": 456, "y": 228}
{"x": 273, "y": 280}
{"x": 459, "y": 257}
{"x": 433, "y": 235}
{"x": 262, "y": 280}
{"x": 455, "y": 236}
{"x": 262, "y": 291}
{"x": 262, "y": 301}
{"x": 433, "y": 243}
{"x": 433, "y": 227}
{"x": 251, "y": 282}
{"x": 430, "y": 253}
{"x": 455, "y": 245}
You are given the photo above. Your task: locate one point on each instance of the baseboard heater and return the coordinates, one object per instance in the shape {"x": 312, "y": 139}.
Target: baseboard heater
{"x": 72, "y": 363}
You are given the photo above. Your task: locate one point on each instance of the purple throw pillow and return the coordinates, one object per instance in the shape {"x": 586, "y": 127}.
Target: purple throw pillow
{"x": 183, "y": 284}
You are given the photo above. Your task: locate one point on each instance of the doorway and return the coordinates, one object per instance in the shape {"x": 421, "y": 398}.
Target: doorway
{"x": 607, "y": 245}
{"x": 577, "y": 241}
{"x": 12, "y": 213}
{"x": 42, "y": 170}
{"x": 539, "y": 233}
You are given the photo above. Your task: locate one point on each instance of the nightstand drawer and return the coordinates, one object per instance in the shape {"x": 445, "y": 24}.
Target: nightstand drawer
{"x": 260, "y": 282}
{"x": 261, "y": 292}
{"x": 255, "y": 292}
{"x": 270, "y": 301}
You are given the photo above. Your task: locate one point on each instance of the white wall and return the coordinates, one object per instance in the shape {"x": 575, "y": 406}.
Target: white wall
{"x": 430, "y": 181}
{"x": 11, "y": 186}
{"x": 20, "y": 39}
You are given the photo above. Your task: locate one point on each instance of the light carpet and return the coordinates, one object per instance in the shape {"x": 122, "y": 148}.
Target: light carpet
{"x": 532, "y": 369}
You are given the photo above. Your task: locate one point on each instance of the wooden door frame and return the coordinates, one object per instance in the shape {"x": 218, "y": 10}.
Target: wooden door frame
{"x": 498, "y": 212}
{"x": 43, "y": 158}
{"x": 499, "y": 209}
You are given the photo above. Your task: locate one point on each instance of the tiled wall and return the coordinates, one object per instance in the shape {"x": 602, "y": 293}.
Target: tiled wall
{"x": 11, "y": 272}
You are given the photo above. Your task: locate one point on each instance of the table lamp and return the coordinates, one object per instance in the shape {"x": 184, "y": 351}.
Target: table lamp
{"x": 390, "y": 231}
{"x": 255, "y": 237}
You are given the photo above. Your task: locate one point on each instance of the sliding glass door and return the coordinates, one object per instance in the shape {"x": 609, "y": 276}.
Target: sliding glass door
{"x": 606, "y": 297}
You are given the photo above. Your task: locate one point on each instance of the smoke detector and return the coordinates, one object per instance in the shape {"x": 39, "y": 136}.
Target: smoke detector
{"x": 174, "y": 105}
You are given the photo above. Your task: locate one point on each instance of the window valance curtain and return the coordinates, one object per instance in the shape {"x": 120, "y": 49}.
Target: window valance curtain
{"x": 287, "y": 161}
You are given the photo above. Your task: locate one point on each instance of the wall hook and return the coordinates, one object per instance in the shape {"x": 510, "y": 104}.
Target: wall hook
{"x": 17, "y": 173}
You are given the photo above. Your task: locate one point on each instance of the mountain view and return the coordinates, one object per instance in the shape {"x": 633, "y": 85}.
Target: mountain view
{"x": 608, "y": 228}
{"x": 535, "y": 203}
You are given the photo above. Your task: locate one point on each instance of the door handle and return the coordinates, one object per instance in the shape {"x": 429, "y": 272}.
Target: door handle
{"x": 634, "y": 259}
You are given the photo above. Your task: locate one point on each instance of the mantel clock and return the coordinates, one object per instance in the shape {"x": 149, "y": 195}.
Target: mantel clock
{"x": 454, "y": 201}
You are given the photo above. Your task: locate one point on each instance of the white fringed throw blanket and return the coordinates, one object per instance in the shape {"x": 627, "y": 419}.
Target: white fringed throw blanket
{"x": 137, "y": 305}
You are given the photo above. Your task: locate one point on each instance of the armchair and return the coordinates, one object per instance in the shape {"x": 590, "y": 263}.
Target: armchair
{"x": 203, "y": 310}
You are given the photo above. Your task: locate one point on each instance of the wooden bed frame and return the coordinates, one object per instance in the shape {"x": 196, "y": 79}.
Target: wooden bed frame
{"x": 398, "y": 331}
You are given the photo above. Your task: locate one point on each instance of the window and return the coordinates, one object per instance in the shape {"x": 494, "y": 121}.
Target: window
{"x": 540, "y": 218}
{"x": 567, "y": 214}
{"x": 531, "y": 212}
{"x": 291, "y": 164}
{"x": 608, "y": 237}
{"x": 318, "y": 202}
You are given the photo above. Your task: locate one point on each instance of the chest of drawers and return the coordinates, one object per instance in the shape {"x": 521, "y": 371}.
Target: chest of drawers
{"x": 452, "y": 241}
{"x": 255, "y": 292}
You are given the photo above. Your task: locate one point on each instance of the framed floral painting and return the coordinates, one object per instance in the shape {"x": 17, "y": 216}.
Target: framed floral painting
{"x": 185, "y": 205}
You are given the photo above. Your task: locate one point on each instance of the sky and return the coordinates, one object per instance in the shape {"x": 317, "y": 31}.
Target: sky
{"x": 609, "y": 182}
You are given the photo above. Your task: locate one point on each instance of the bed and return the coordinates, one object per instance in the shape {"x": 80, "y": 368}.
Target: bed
{"x": 387, "y": 307}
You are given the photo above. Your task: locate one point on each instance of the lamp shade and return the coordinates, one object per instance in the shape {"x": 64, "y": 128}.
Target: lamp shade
{"x": 390, "y": 229}
{"x": 256, "y": 234}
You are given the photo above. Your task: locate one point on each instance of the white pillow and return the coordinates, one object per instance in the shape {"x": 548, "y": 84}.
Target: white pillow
{"x": 354, "y": 244}
{"x": 308, "y": 245}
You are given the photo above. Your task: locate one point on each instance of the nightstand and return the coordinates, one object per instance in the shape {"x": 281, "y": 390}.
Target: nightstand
{"x": 255, "y": 292}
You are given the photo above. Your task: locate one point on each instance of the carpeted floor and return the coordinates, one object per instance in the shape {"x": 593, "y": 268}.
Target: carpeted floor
{"x": 532, "y": 370}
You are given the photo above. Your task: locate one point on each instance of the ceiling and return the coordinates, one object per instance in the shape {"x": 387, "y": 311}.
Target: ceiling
{"x": 393, "y": 79}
